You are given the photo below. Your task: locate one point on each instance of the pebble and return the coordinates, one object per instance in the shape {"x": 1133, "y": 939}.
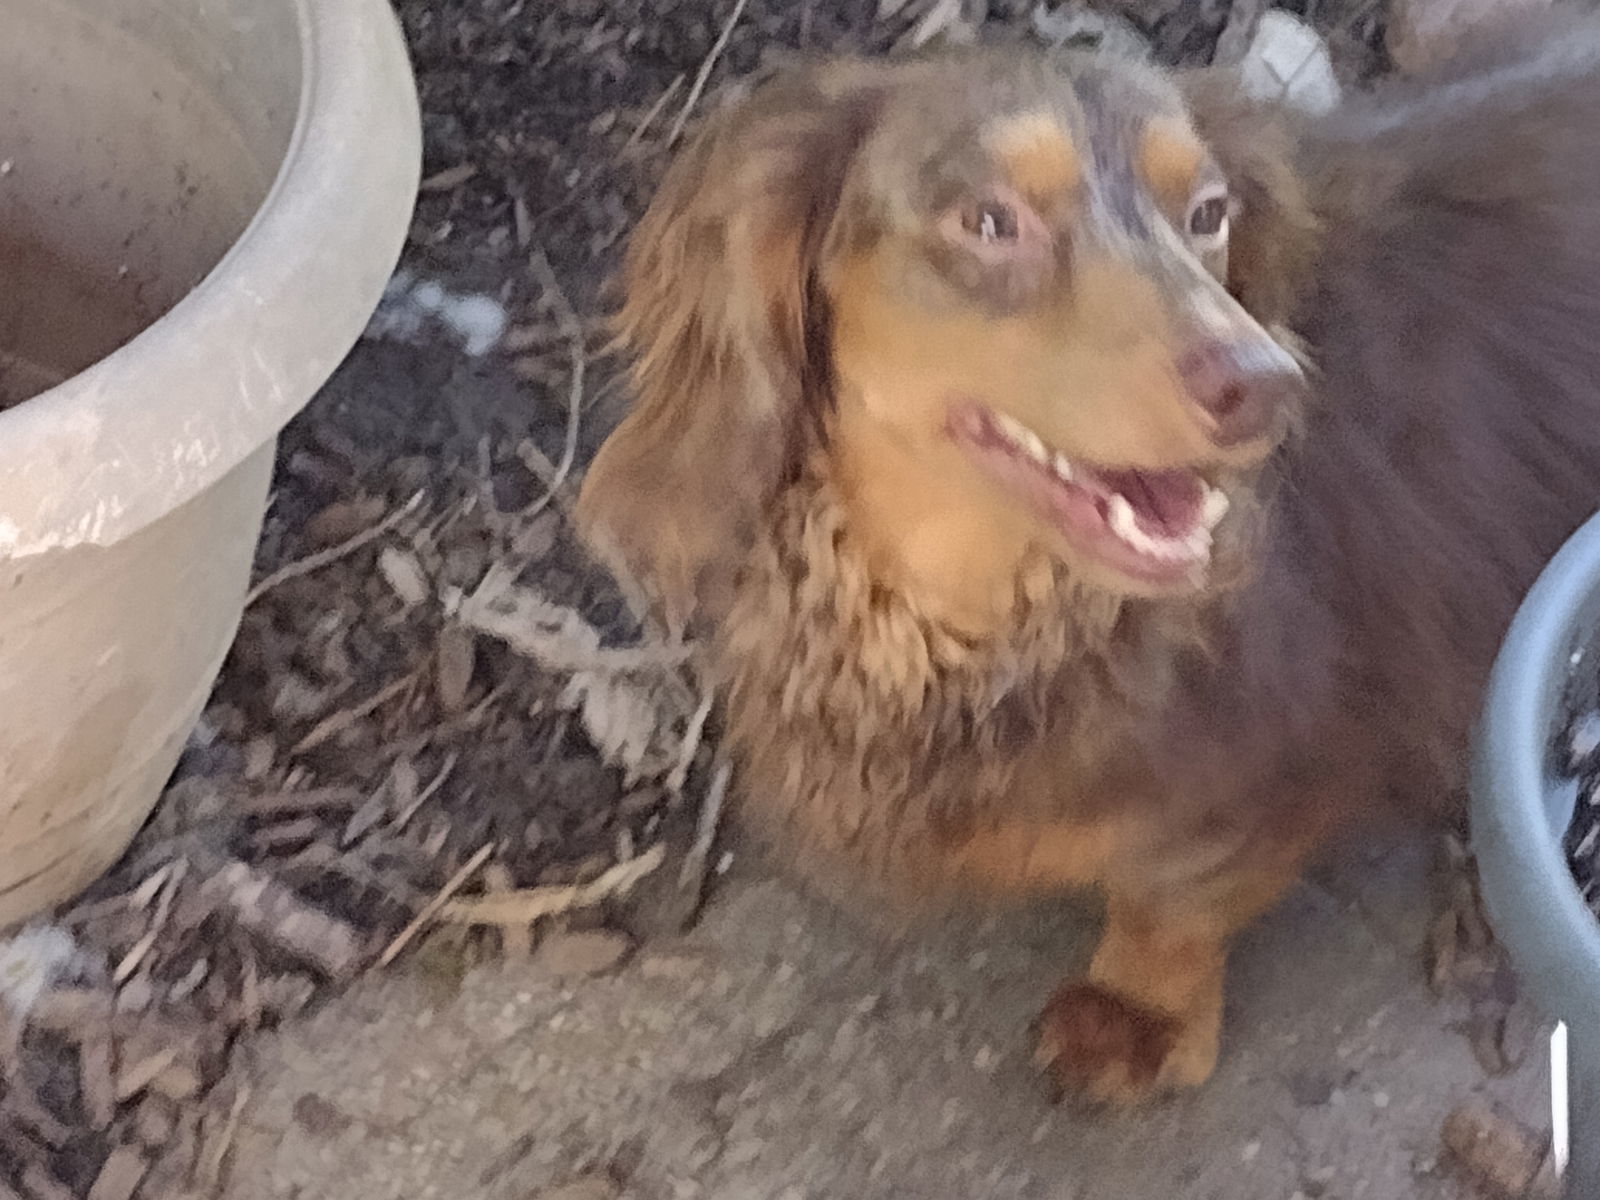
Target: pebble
{"x": 1288, "y": 60}
{"x": 585, "y": 953}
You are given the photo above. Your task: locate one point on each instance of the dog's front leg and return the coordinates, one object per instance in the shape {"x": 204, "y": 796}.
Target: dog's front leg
{"x": 1148, "y": 1018}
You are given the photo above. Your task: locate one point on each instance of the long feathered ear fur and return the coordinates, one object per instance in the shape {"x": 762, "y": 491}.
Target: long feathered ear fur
{"x": 719, "y": 312}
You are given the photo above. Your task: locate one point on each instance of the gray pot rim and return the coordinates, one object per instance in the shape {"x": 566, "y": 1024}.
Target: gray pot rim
{"x": 117, "y": 446}
{"x": 1520, "y": 807}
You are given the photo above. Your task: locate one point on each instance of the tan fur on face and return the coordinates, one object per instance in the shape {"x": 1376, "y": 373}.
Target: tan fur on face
{"x": 1037, "y": 155}
{"x": 1169, "y": 160}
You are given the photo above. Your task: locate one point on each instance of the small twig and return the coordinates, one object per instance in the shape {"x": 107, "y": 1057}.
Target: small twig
{"x": 690, "y": 746}
{"x": 345, "y": 717}
{"x": 171, "y": 877}
{"x": 705, "y": 72}
{"x": 650, "y": 116}
{"x": 426, "y": 794}
{"x": 433, "y": 907}
{"x": 567, "y": 318}
{"x": 527, "y": 905}
{"x": 322, "y": 558}
{"x": 538, "y": 462}
{"x": 705, "y": 833}
{"x": 212, "y": 1168}
{"x": 515, "y": 940}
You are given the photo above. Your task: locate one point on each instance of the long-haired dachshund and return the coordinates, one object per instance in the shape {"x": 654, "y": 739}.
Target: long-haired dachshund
{"x": 1087, "y": 476}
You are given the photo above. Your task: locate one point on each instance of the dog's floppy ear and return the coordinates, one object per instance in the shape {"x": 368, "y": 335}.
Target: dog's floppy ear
{"x": 1273, "y": 238}
{"x": 719, "y": 312}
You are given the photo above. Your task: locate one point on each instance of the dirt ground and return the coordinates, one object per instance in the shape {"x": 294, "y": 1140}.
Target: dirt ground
{"x": 435, "y": 697}
{"x": 781, "y": 1052}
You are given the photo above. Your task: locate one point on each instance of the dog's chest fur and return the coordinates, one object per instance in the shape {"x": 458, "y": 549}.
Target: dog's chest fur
{"x": 871, "y": 740}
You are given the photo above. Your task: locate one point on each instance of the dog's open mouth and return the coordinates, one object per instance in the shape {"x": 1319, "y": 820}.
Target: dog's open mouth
{"x": 1154, "y": 526}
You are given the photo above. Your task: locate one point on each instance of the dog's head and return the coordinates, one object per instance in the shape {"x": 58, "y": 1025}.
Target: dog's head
{"x": 1030, "y": 294}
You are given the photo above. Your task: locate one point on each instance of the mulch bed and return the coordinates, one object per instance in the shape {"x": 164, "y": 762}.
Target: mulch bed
{"x": 439, "y": 736}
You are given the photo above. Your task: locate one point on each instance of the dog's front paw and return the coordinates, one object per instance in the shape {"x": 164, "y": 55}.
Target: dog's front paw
{"x": 1098, "y": 1043}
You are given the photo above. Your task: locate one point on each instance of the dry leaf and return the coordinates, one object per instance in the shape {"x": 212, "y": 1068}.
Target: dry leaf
{"x": 634, "y": 725}
{"x": 634, "y": 702}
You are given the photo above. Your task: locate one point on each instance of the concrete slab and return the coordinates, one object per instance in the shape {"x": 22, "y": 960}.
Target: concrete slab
{"x": 782, "y": 1050}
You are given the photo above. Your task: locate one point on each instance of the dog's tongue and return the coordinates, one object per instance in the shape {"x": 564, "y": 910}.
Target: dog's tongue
{"x": 1165, "y": 502}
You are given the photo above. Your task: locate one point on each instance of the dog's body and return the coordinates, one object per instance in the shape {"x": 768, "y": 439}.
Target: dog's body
{"x": 872, "y": 304}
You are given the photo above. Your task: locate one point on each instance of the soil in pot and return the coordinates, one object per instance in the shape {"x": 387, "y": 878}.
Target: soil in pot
{"x": 1576, "y": 754}
{"x": 66, "y": 318}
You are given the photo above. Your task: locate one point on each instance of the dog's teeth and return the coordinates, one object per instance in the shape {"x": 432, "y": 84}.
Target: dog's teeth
{"x": 1213, "y": 508}
{"x": 1119, "y": 515}
{"x": 1012, "y": 429}
{"x": 1192, "y": 546}
{"x": 1062, "y": 466}
{"x": 1031, "y": 442}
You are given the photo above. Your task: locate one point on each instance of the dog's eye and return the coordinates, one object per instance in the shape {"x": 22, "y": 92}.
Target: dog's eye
{"x": 991, "y": 221}
{"x": 1208, "y": 218}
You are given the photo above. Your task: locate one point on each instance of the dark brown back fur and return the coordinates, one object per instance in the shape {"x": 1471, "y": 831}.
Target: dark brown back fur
{"x": 1453, "y": 314}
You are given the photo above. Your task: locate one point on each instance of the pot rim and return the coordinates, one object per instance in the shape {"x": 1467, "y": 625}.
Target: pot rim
{"x": 116, "y": 446}
{"x": 1520, "y": 806}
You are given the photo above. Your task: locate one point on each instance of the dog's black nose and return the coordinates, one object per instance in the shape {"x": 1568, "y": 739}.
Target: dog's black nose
{"x": 1242, "y": 388}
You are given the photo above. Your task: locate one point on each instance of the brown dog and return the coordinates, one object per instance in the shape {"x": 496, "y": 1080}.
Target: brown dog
{"x": 969, "y": 425}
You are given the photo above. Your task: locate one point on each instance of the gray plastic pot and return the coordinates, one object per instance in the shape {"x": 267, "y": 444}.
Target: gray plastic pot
{"x": 200, "y": 204}
{"x": 1521, "y": 809}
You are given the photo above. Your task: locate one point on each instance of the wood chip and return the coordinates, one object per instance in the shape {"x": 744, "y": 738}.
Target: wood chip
{"x": 39, "y": 1184}
{"x": 304, "y": 800}
{"x": 274, "y": 913}
{"x": 73, "y": 1012}
{"x": 581, "y": 954}
{"x": 155, "y": 1121}
{"x": 120, "y": 1177}
{"x": 404, "y": 575}
{"x": 343, "y": 519}
{"x": 96, "y": 1084}
{"x": 140, "y": 1074}
{"x": 1501, "y": 1156}
{"x": 449, "y": 178}
{"x": 527, "y": 905}
{"x": 455, "y": 658}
